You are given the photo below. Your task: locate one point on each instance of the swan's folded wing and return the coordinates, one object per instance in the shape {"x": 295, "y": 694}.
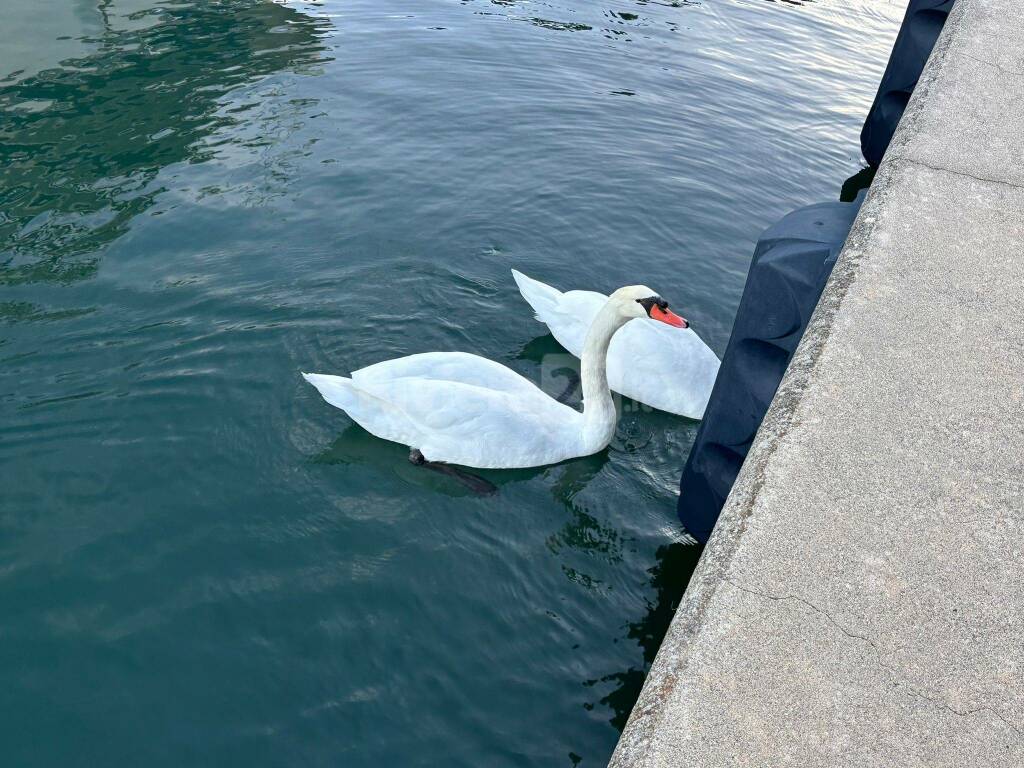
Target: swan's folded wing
{"x": 459, "y": 367}
{"x": 670, "y": 369}
{"x": 463, "y": 423}
{"x": 667, "y": 368}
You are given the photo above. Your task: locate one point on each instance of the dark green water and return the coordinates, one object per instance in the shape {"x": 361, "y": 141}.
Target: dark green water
{"x": 203, "y": 564}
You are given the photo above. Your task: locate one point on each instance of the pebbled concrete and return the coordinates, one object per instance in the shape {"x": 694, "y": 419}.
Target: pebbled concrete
{"x": 861, "y": 602}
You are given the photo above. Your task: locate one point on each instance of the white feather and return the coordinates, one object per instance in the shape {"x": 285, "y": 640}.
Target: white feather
{"x": 464, "y": 409}
{"x": 667, "y": 368}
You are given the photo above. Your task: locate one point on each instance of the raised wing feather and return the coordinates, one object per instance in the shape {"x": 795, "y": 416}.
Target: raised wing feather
{"x": 571, "y": 317}
{"x": 670, "y": 369}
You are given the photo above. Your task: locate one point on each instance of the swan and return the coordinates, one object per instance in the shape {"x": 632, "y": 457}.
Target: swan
{"x": 459, "y": 408}
{"x": 655, "y": 365}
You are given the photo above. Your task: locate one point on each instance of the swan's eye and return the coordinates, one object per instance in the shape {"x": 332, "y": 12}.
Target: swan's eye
{"x": 652, "y": 301}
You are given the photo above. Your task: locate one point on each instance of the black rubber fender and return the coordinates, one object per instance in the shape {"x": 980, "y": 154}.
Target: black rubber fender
{"x": 791, "y": 264}
{"x": 921, "y": 27}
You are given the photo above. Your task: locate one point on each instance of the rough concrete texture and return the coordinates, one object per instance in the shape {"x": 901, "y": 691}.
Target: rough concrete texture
{"x": 861, "y": 602}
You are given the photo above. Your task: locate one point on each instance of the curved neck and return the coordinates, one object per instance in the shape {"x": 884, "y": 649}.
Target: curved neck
{"x": 599, "y": 416}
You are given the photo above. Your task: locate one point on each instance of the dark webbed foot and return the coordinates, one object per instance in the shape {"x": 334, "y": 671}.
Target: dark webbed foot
{"x": 475, "y": 483}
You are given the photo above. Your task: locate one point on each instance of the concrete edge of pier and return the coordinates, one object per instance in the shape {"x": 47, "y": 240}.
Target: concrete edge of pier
{"x": 861, "y": 601}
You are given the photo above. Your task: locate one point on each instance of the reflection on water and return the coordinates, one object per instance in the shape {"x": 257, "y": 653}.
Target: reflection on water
{"x": 81, "y": 144}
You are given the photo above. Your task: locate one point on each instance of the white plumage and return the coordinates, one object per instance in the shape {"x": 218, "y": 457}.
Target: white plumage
{"x": 464, "y": 409}
{"x": 666, "y": 368}
{"x": 457, "y": 408}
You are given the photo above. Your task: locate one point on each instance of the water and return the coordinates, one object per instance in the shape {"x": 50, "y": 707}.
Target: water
{"x": 203, "y": 564}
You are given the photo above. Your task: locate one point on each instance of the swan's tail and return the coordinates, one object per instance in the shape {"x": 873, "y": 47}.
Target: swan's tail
{"x": 377, "y": 416}
{"x": 541, "y": 296}
{"x": 336, "y": 390}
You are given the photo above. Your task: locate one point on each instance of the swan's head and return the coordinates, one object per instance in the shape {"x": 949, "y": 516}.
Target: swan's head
{"x": 640, "y": 301}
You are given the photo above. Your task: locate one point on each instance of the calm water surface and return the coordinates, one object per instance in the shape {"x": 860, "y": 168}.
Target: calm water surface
{"x": 203, "y": 564}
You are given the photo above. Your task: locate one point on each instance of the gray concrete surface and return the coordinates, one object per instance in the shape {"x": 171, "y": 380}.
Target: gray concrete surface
{"x": 861, "y": 602}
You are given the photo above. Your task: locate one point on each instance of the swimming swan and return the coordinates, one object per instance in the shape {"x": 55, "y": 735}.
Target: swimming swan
{"x": 463, "y": 409}
{"x": 659, "y": 366}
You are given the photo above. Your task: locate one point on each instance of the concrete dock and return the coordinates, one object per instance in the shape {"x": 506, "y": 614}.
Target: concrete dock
{"x": 861, "y": 602}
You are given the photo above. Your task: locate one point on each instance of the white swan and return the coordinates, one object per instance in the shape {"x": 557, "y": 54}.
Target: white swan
{"x": 655, "y": 365}
{"x": 459, "y": 408}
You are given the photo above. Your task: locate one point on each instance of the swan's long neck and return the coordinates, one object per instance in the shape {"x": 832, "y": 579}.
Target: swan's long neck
{"x": 599, "y": 416}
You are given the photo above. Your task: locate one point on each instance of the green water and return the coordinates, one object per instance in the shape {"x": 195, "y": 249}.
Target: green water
{"x": 201, "y": 563}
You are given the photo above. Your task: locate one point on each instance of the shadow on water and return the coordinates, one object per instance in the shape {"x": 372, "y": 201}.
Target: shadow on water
{"x": 539, "y": 348}
{"x": 852, "y": 186}
{"x": 81, "y": 144}
{"x": 669, "y": 577}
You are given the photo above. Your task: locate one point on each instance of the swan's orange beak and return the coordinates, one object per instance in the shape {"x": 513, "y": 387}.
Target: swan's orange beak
{"x": 668, "y": 316}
